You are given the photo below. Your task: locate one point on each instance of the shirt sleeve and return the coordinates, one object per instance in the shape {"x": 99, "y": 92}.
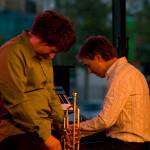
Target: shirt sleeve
{"x": 58, "y": 113}
{"x": 12, "y": 85}
{"x": 114, "y": 101}
{"x": 91, "y": 126}
{"x": 55, "y": 105}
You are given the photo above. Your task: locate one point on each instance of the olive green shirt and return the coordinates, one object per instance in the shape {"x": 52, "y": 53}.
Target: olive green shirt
{"x": 26, "y": 86}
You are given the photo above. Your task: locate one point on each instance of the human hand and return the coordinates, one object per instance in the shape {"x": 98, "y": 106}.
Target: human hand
{"x": 53, "y": 143}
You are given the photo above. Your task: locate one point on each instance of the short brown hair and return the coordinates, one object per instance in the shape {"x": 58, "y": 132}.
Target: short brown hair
{"x": 97, "y": 44}
{"x": 54, "y": 29}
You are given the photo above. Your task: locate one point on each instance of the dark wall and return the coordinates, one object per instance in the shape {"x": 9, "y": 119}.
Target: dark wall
{"x": 62, "y": 77}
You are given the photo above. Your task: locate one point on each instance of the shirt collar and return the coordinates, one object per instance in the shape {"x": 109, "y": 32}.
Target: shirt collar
{"x": 111, "y": 69}
{"x": 30, "y": 49}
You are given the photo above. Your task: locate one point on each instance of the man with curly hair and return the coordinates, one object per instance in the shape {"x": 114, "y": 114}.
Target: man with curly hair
{"x": 30, "y": 108}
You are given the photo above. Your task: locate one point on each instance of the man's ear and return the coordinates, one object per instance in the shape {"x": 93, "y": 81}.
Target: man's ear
{"x": 99, "y": 58}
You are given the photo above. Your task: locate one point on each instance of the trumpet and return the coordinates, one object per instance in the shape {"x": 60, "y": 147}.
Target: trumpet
{"x": 71, "y": 132}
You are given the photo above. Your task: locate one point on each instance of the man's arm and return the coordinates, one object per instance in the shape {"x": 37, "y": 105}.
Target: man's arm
{"x": 13, "y": 82}
{"x": 114, "y": 102}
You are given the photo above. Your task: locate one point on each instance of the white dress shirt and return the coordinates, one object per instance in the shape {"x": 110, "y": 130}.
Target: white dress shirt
{"x": 126, "y": 108}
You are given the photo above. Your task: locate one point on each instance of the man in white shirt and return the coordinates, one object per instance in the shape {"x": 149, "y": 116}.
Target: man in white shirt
{"x": 125, "y": 115}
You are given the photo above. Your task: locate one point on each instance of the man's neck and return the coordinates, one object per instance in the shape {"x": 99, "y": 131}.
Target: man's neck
{"x": 111, "y": 61}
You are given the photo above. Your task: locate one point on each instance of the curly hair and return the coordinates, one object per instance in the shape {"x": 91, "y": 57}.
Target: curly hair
{"x": 54, "y": 29}
{"x": 97, "y": 44}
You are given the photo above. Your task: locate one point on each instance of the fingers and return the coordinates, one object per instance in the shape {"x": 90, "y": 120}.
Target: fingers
{"x": 53, "y": 143}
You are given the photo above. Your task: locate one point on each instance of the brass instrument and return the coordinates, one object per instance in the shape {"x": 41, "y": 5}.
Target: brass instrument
{"x": 71, "y": 132}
